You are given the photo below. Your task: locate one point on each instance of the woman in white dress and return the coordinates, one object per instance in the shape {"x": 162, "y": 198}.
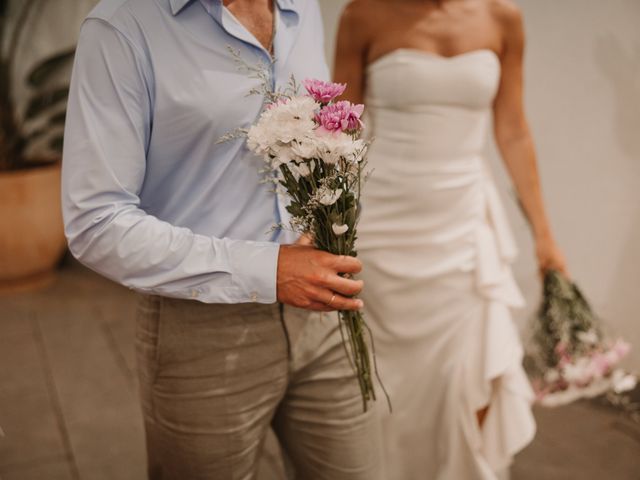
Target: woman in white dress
{"x": 433, "y": 236}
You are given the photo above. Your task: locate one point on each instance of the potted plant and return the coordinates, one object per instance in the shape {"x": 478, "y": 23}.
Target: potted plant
{"x": 31, "y": 232}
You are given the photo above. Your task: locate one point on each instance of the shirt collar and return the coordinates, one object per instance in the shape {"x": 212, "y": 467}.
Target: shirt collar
{"x": 178, "y": 5}
{"x": 293, "y": 5}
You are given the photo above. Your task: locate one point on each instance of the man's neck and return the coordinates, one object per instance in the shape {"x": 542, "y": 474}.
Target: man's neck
{"x": 256, "y": 16}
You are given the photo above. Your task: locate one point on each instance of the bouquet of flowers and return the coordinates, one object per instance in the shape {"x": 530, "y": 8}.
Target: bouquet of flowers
{"x": 570, "y": 356}
{"x": 314, "y": 155}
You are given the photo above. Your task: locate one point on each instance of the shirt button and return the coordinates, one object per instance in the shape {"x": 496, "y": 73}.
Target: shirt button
{"x": 194, "y": 294}
{"x": 254, "y": 296}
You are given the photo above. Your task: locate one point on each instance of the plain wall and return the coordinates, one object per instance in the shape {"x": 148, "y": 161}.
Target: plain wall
{"x": 583, "y": 102}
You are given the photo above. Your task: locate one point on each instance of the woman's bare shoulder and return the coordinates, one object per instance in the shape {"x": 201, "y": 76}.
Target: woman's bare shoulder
{"x": 508, "y": 17}
{"x": 364, "y": 14}
{"x": 506, "y": 12}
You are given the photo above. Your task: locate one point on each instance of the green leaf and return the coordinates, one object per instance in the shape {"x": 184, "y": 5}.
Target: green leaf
{"x": 43, "y": 101}
{"x": 46, "y": 68}
{"x": 295, "y": 210}
{"x": 335, "y": 217}
{"x": 58, "y": 118}
{"x": 54, "y": 121}
{"x": 56, "y": 143}
{"x": 35, "y": 134}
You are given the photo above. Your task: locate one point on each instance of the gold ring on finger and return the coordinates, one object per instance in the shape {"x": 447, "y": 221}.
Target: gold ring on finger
{"x": 331, "y": 301}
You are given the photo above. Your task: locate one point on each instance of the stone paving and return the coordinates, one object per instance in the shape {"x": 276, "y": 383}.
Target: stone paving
{"x": 69, "y": 407}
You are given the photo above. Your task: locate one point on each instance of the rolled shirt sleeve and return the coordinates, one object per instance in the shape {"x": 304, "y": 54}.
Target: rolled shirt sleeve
{"x": 109, "y": 121}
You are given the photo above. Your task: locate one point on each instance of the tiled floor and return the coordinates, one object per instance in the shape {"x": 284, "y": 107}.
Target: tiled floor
{"x": 69, "y": 409}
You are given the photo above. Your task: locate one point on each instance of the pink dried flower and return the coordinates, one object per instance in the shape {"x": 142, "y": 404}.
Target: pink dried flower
{"x": 340, "y": 117}
{"x": 622, "y": 348}
{"x": 617, "y": 352}
{"x": 561, "y": 348}
{"x": 563, "y": 355}
{"x": 600, "y": 364}
{"x": 323, "y": 92}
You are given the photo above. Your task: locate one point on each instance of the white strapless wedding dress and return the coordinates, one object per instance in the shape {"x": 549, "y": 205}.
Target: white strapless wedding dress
{"x": 436, "y": 248}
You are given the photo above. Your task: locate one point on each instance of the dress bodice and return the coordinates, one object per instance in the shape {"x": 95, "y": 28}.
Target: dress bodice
{"x": 437, "y": 104}
{"x": 429, "y": 117}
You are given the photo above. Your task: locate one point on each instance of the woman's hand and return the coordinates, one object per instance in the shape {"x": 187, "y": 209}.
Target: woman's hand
{"x": 550, "y": 257}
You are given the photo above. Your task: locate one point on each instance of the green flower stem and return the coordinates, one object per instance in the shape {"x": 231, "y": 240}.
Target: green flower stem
{"x": 317, "y": 219}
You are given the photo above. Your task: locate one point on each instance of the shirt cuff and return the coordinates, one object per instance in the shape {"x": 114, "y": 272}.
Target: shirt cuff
{"x": 254, "y": 268}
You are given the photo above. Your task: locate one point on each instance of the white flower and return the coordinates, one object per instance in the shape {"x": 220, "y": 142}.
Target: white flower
{"x": 329, "y": 197}
{"x": 551, "y": 376}
{"x": 573, "y": 393}
{"x": 282, "y": 154}
{"x": 258, "y": 140}
{"x": 357, "y": 150}
{"x": 293, "y": 168}
{"x": 578, "y": 372}
{"x": 303, "y": 107}
{"x": 281, "y": 125}
{"x": 292, "y": 120}
{"x": 332, "y": 147}
{"x": 590, "y": 337}
{"x": 305, "y": 148}
{"x": 339, "y": 229}
{"x": 299, "y": 170}
{"x": 328, "y": 156}
{"x": 304, "y": 169}
{"x": 623, "y": 382}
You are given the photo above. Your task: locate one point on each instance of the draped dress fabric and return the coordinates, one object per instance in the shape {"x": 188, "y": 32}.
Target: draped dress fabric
{"x": 436, "y": 248}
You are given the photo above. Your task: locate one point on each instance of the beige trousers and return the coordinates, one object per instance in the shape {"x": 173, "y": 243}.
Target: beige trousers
{"x": 215, "y": 378}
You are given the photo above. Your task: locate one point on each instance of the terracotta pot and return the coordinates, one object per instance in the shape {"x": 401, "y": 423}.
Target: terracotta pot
{"x": 31, "y": 232}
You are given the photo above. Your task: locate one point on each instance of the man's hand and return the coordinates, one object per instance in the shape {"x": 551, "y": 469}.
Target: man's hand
{"x": 306, "y": 240}
{"x": 309, "y": 278}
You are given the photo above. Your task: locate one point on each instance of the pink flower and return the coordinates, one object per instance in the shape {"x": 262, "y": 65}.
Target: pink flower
{"x": 622, "y": 348}
{"x": 561, "y": 348}
{"x": 600, "y": 364}
{"x": 323, "y": 92}
{"x": 563, "y": 355}
{"x": 340, "y": 117}
{"x": 617, "y": 352}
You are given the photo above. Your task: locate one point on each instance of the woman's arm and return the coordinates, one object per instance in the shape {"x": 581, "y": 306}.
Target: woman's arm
{"x": 515, "y": 143}
{"x": 351, "y": 50}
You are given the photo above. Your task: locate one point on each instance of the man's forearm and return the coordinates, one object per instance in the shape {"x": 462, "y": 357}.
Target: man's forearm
{"x": 150, "y": 255}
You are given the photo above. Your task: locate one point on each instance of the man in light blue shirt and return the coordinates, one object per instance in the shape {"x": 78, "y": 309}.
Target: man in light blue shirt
{"x": 152, "y": 201}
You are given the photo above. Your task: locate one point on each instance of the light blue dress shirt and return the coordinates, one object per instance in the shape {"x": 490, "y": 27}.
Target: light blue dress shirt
{"x": 150, "y": 199}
